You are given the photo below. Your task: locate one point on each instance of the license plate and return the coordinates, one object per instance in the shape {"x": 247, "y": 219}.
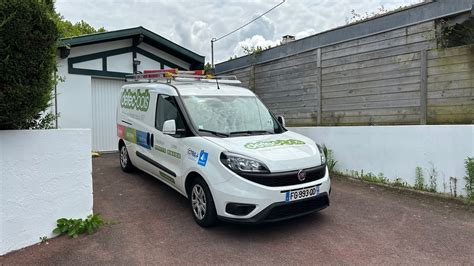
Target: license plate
{"x": 301, "y": 193}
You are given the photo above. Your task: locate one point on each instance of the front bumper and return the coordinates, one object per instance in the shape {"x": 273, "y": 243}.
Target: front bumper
{"x": 270, "y": 203}
{"x": 285, "y": 210}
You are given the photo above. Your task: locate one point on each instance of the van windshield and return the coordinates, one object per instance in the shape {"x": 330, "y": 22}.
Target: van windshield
{"x": 231, "y": 115}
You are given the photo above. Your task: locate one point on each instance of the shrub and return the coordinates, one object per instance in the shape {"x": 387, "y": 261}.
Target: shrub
{"x": 28, "y": 38}
{"x": 419, "y": 178}
{"x": 469, "y": 165}
{"x": 76, "y": 227}
{"x": 433, "y": 176}
{"x": 330, "y": 161}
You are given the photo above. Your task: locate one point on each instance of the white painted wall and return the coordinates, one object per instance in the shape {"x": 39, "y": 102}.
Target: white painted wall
{"x": 120, "y": 63}
{"x": 44, "y": 175}
{"x": 164, "y": 55}
{"x": 1, "y": 198}
{"x": 74, "y": 99}
{"x": 396, "y": 151}
{"x": 147, "y": 63}
{"x": 99, "y": 47}
{"x": 95, "y": 64}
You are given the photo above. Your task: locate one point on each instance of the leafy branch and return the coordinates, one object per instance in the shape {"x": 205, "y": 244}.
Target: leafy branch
{"x": 75, "y": 227}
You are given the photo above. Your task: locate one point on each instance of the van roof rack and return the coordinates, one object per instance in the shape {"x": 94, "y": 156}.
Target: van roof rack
{"x": 173, "y": 74}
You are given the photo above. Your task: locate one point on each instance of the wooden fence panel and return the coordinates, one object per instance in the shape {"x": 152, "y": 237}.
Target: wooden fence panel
{"x": 451, "y": 85}
{"x": 375, "y": 80}
{"x": 395, "y": 77}
{"x": 288, "y": 84}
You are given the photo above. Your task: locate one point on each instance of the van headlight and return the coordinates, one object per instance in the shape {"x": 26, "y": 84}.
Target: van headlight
{"x": 240, "y": 163}
{"x": 321, "y": 152}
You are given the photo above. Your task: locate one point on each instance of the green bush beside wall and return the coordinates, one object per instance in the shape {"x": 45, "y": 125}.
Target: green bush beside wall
{"x": 28, "y": 39}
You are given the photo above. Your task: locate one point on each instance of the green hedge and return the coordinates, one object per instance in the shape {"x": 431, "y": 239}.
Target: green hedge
{"x": 28, "y": 39}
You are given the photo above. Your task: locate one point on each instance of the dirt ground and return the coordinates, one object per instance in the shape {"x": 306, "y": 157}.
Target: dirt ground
{"x": 365, "y": 224}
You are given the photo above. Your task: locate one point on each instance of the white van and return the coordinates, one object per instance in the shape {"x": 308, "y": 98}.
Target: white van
{"x": 218, "y": 145}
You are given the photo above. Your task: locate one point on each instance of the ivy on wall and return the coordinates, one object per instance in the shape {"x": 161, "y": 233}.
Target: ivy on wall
{"x": 456, "y": 35}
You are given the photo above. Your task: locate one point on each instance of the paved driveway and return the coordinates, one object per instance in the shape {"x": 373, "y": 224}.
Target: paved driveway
{"x": 364, "y": 224}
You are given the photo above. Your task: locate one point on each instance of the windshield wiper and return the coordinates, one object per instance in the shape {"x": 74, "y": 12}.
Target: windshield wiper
{"x": 214, "y": 132}
{"x": 251, "y": 132}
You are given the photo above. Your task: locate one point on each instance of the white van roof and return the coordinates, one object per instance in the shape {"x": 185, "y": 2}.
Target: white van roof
{"x": 193, "y": 88}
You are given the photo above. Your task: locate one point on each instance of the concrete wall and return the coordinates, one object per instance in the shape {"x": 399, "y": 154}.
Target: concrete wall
{"x": 44, "y": 175}
{"x": 396, "y": 151}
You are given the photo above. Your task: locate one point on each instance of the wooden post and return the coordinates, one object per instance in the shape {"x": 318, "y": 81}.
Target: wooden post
{"x": 423, "y": 87}
{"x": 318, "y": 87}
{"x": 252, "y": 78}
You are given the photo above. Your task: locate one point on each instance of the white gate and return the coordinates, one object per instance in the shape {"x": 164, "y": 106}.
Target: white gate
{"x": 105, "y": 96}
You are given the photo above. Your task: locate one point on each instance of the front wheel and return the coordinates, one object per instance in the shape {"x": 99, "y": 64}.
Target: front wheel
{"x": 202, "y": 204}
{"x": 125, "y": 162}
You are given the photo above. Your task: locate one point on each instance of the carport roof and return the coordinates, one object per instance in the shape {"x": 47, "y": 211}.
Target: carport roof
{"x": 148, "y": 37}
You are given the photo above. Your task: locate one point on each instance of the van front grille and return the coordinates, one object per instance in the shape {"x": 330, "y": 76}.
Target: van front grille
{"x": 288, "y": 178}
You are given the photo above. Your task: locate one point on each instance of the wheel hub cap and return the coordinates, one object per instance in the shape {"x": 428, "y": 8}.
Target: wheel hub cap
{"x": 123, "y": 156}
{"x": 198, "y": 200}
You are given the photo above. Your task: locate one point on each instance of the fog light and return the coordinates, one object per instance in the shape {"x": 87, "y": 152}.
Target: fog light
{"x": 239, "y": 209}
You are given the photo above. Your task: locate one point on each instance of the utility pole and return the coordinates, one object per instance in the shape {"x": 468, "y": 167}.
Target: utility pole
{"x": 212, "y": 52}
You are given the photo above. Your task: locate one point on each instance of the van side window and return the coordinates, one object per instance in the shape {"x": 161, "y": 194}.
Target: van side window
{"x": 167, "y": 109}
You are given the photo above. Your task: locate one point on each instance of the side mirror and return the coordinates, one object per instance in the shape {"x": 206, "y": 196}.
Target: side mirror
{"x": 281, "y": 119}
{"x": 169, "y": 127}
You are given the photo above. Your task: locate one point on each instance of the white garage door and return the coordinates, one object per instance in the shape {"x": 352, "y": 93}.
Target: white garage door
{"x": 105, "y": 96}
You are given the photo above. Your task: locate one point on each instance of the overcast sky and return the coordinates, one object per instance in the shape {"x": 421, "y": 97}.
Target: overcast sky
{"x": 193, "y": 23}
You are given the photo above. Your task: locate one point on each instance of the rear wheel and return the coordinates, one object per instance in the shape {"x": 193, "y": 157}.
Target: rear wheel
{"x": 125, "y": 162}
{"x": 202, "y": 204}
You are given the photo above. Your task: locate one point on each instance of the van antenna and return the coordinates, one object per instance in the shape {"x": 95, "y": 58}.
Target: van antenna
{"x": 217, "y": 82}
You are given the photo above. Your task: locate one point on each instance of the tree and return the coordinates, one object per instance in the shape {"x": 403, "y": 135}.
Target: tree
{"x": 208, "y": 69}
{"x": 251, "y": 50}
{"x": 68, "y": 29}
{"x": 28, "y": 39}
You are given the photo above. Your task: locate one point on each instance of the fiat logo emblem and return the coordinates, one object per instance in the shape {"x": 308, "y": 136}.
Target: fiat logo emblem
{"x": 301, "y": 175}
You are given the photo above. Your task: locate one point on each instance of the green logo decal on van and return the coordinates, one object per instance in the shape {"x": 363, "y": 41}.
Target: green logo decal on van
{"x": 131, "y": 134}
{"x": 272, "y": 143}
{"x": 135, "y": 100}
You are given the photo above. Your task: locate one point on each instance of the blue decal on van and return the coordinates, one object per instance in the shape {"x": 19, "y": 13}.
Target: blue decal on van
{"x": 202, "y": 158}
{"x": 143, "y": 139}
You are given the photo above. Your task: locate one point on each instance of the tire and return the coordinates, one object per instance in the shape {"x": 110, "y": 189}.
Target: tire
{"x": 125, "y": 162}
{"x": 202, "y": 204}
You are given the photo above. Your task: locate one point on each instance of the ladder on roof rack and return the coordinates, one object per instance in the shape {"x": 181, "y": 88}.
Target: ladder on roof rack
{"x": 174, "y": 74}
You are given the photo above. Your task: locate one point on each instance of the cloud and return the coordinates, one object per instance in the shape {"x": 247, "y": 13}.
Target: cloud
{"x": 263, "y": 27}
{"x": 255, "y": 41}
{"x": 192, "y": 24}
